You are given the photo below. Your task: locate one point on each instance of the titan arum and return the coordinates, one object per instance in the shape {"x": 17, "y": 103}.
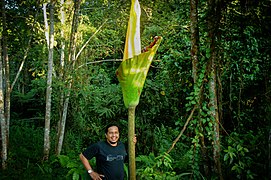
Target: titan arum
{"x": 132, "y": 74}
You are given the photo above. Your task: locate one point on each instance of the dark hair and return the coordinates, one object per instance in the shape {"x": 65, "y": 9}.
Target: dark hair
{"x": 110, "y": 125}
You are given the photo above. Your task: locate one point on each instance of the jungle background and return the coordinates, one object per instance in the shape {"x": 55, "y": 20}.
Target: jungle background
{"x": 205, "y": 109}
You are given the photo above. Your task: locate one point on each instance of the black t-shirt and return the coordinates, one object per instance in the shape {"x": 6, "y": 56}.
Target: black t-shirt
{"x": 109, "y": 159}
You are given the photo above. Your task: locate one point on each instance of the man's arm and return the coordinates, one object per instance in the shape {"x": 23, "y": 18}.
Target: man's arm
{"x": 87, "y": 166}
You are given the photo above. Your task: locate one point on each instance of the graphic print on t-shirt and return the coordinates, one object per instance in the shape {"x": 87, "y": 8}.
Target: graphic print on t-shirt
{"x": 111, "y": 157}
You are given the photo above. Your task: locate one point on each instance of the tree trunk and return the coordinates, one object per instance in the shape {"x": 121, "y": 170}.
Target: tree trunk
{"x": 5, "y": 91}
{"x": 194, "y": 37}
{"x": 62, "y": 123}
{"x": 73, "y": 37}
{"x": 213, "y": 104}
{"x": 72, "y": 59}
{"x": 46, "y": 26}
{"x": 49, "y": 84}
{"x": 269, "y": 154}
{"x": 194, "y": 27}
{"x": 62, "y": 50}
{"x": 131, "y": 144}
{"x": 3, "y": 137}
{"x": 215, "y": 116}
{"x": 61, "y": 128}
{"x": 6, "y": 73}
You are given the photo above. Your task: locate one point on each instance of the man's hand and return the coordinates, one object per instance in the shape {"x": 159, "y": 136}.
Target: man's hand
{"x": 96, "y": 176}
{"x": 134, "y": 139}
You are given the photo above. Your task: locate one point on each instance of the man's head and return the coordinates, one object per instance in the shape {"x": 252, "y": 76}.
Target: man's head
{"x": 112, "y": 134}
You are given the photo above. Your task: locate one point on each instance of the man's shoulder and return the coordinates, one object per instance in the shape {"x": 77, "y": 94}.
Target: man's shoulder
{"x": 120, "y": 143}
{"x": 102, "y": 144}
{"x": 98, "y": 144}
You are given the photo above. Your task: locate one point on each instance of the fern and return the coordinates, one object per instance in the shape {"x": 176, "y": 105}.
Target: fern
{"x": 76, "y": 169}
{"x": 63, "y": 160}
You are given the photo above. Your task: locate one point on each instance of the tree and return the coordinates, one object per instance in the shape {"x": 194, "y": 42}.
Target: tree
{"x": 2, "y": 118}
{"x": 213, "y": 24}
{"x": 194, "y": 26}
{"x": 5, "y": 91}
{"x": 71, "y": 61}
{"x": 49, "y": 84}
{"x": 6, "y": 73}
{"x": 61, "y": 123}
{"x": 194, "y": 37}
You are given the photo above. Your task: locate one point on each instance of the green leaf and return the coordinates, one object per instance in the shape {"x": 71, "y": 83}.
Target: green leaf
{"x": 75, "y": 176}
{"x": 72, "y": 165}
{"x": 63, "y": 160}
{"x": 193, "y": 102}
{"x": 234, "y": 168}
{"x": 246, "y": 150}
{"x": 226, "y": 157}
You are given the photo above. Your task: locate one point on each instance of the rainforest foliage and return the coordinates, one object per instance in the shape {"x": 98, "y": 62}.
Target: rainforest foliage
{"x": 175, "y": 102}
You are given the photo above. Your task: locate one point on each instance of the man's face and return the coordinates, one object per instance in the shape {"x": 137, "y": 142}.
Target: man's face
{"x": 112, "y": 135}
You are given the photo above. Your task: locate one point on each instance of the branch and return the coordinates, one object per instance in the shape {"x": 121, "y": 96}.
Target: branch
{"x": 25, "y": 53}
{"x": 78, "y": 54}
{"x": 185, "y": 125}
{"x": 108, "y": 60}
{"x": 46, "y": 24}
{"x": 99, "y": 61}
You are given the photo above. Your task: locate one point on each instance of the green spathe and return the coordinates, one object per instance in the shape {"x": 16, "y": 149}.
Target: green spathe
{"x": 132, "y": 74}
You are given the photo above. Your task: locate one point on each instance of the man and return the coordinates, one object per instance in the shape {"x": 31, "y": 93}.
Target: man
{"x": 109, "y": 154}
